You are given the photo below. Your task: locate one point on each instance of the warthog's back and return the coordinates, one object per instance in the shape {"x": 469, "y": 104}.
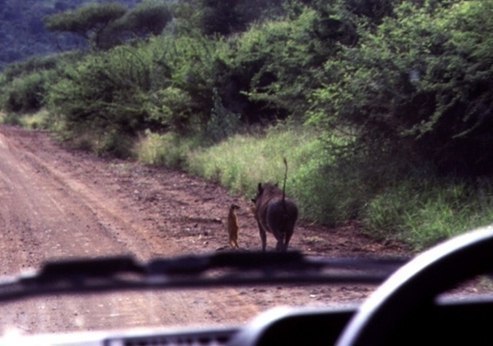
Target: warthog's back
{"x": 281, "y": 215}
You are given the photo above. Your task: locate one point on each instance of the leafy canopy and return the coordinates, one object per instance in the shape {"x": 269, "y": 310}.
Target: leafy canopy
{"x": 109, "y": 24}
{"x": 419, "y": 84}
{"x": 88, "y": 21}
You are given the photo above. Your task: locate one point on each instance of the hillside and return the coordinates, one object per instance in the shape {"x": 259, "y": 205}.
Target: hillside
{"x": 22, "y": 33}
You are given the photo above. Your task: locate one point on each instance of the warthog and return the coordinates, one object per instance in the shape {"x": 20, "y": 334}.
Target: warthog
{"x": 275, "y": 213}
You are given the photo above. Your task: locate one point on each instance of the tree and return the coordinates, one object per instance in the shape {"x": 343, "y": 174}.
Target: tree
{"x": 89, "y": 21}
{"x": 147, "y": 18}
{"x": 419, "y": 84}
{"x": 225, "y": 17}
{"x": 107, "y": 25}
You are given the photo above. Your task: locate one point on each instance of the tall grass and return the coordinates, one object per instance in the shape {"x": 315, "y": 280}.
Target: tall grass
{"x": 415, "y": 207}
{"x": 167, "y": 149}
{"x": 242, "y": 161}
{"x": 38, "y": 120}
{"x": 423, "y": 212}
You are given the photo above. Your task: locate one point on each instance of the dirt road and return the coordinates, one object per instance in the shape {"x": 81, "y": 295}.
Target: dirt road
{"x": 56, "y": 203}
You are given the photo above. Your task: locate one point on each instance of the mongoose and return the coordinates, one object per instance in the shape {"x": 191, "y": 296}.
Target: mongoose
{"x": 233, "y": 226}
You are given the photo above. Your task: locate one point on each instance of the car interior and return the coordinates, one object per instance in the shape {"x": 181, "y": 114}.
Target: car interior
{"x": 408, "y": 308}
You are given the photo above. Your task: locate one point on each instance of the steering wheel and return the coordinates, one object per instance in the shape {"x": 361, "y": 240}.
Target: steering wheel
{"x": 411, "y": 290}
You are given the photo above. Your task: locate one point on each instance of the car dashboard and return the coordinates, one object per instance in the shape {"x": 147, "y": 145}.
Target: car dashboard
{"x": 408, "y": 308}
{"x": 452, "y": 322}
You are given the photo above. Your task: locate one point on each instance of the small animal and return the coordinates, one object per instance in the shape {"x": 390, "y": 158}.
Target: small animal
{"x": 275, "y": 213}
{"x": 232, "y": 225}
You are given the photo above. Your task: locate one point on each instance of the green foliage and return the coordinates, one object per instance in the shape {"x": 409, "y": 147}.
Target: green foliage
{"x": 222, "y": 122}
{"x": 278, "y": 62}
{"x": 171, "y": 108}
{"x": 418, "y": 83}
{"x": 399, "y": 91}
{"x": 10, "y": 119}
{"x": 113, "y": 143}
{"x": 35, "y": 121}
{"x": 242, "y": 161}
{"x": 187, "y": 71}
{"x": 422, "y": 212}
{"x": 226, "y": 17}
{"x": 314, "y": 188}
{"x": 167, "y": 150}
{"x": 109, "y": 24}
{"x": 104, "y": 93}
{"x": 169, "y": 83}
{"x": 88, "y": 21}
{"x": 24, "y": 85}
{"x": 25, "y": 94}
{"x": 29, "y": 66}
{"x": 149, "y": 17}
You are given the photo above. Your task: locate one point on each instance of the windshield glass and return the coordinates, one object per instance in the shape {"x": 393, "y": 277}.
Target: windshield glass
{"x": 65, "y": 204}
{"x": 156, "y": 129}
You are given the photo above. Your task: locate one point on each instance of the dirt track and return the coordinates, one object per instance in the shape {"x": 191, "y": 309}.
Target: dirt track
{"x": 56, "y": 203}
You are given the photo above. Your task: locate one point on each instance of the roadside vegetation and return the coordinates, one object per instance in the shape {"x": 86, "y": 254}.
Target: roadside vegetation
{"x": 382, "y": 108}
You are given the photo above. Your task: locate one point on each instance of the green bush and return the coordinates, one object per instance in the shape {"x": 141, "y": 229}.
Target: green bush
{"x": 187, "y": 70}
{"x": 25, "y": 94}
{"x": 10, "y": 119}
{"x": 167, "y": 150}
{"x": 275, "y": 66}
{"x": 89, "y": 22}
{"x": 105, "y": 92}
{"x": 222, "y": 122}
{"x": 114, "y": 144}
{"x": 38, "y": 120}
{"x": 37, "y": 64}
{"x": 418, "y": 83}
{"x": 24, "y": 85}
{"x": 148, "y": 17}
{"x": 171, "y": 108}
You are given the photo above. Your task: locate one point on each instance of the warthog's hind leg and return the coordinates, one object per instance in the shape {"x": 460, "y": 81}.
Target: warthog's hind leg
{"x": 263, "y": 236}
{"x": 283, "y": 241}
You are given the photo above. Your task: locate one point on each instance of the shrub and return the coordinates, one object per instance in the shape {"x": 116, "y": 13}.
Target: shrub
{"x": 187, "y": 71}
{"x": 10, "y": 119}
{"x": 37, "y": 64}
{"x": 275, "y": 64}
{"x": 222, "y": 122}
{"x": 105, "y": 92}
{"x": 167, "y": 150}
{"x": 418, "y": 83}
{"x": 115, "y": 144}
{"x": 26, "y": 93}
{"x": 38, "y": 120}
{"x": 148, "y": 17}
{"x": 89, "y": 21}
